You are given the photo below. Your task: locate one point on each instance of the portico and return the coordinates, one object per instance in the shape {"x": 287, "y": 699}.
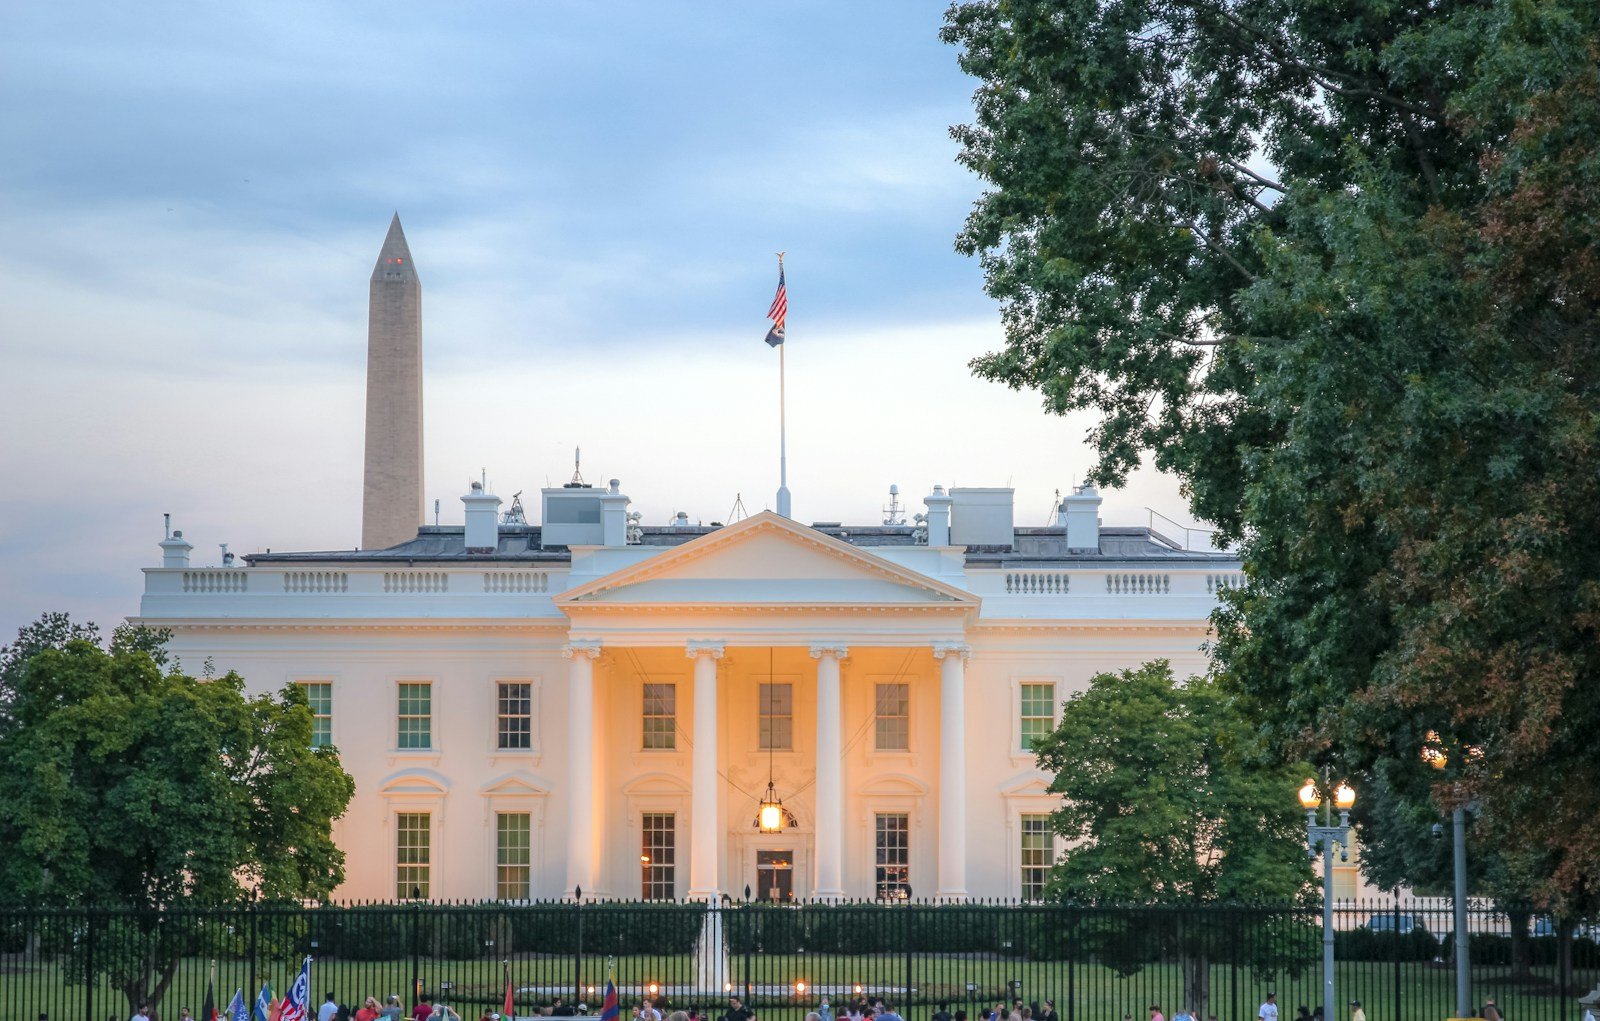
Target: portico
{"x": 872, "y": 653}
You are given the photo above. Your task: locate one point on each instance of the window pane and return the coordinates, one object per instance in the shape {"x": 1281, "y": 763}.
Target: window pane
{"x": 513, "y": 855}
{"x": 320, "y": 695}
{"x": 514, "y": 722}
{"x": 1038, "y": 853}
{"x": 776, "y": 717}
{"x": 416, "y": 715}
{"x": 658, "y": 856}
{"x": 892, "y": 834}
{"x": 893, "y": 724}
{"x": 412, "y": 855}
{"x": 1038, "y": 712}
{"x": 660, "y": 715}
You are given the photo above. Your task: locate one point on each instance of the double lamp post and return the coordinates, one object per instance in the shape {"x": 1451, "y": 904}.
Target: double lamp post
{"x": 1324, "y": 835}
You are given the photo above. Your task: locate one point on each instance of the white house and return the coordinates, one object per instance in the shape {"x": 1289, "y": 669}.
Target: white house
{"x": 591, "y": 704}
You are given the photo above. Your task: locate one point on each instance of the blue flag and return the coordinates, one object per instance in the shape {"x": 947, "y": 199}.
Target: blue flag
{"x": 263, "y": 1003}
{"x": 237, "y": 1011}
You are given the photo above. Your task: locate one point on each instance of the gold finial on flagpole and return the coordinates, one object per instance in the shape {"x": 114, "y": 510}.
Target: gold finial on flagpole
{"x": 780, "y": 258}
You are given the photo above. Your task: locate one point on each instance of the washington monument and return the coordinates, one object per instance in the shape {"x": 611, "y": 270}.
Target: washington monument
{"x": 392, "y": 502}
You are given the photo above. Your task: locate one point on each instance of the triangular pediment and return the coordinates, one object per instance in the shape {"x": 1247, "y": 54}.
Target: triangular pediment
{"x": 769, "y": 560}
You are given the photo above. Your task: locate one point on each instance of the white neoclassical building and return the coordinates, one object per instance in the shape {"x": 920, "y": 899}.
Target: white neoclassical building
{"x": 587, "y": 703}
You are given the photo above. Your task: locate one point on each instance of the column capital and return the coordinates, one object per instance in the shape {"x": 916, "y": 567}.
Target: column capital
{"x": 838, "y": 650}
{"x": 697, "y": 647}
{"x": 943, "y": 649}
{"x": 582, "y": 647}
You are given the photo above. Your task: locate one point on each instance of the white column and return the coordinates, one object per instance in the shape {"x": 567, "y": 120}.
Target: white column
{"x": 581, "y": 846}
{"x": 705, "y": 818}
{"x": 952, "y": 770}
{"x": 829, "y": 879}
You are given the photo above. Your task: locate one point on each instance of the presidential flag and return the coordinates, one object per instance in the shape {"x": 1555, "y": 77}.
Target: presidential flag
{"x": 263, "y": 1010}
{"x": 236, "y": 1011}
{"x": 297, "y": 1005}
{"x": 779, "y": 310}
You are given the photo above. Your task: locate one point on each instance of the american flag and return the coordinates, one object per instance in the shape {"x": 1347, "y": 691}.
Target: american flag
{"x": 779, "y": 310}
{"x": 297, "y": 1005}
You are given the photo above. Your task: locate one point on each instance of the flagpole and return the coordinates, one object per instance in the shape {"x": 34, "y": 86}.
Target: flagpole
{"x": 783, "y": 435}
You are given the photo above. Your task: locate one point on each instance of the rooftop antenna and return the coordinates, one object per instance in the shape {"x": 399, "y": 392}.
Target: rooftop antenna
{"x": 516, "y": 515}
{"x": 894, "y": 514}
{"x": 167, "y": 521}
{"x": 738, "y": 511}
{"x": 484, "y": 478}
{"x": 435, "y": 513}
{"x": 577, "y": 473}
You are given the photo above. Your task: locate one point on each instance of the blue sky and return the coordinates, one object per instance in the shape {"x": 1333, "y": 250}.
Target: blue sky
{"x": 193, "y": 195}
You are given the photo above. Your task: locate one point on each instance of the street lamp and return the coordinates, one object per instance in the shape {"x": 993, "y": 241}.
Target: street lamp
{"x": 1433, "y": 754}
{"x": 1325, "y": 836}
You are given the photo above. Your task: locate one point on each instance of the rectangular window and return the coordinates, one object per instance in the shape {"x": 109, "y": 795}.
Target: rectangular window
{"x": 412, "y": 847}
{"x": 416, "y": 715}
{"x": 660, "y": 715}
{"x": 893, "y": 718}
{"x": 514, "y": 722}
{"x": 1038, "y": 853}
{"x": 320, "y": 695}
{"x": 777, "y": 717}
{"x": 659, "y": 856}
{"x": 893, "y": 838}
{"x": 1038, "y": 712}
{"x": 513, "y": 855}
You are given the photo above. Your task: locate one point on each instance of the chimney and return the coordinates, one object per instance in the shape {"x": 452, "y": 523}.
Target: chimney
{"x": 175, "y": 551}
{"x": 1081, "y": 514}
{"x": 483, "y": 520}
{"x": 614, "y": 516}
{"x": 938, "y": 505}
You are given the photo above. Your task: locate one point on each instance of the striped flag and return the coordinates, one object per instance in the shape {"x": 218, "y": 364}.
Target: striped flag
{"x": 208, "y": 1009}
{"x": 509, "y": 1008}
{"x": 263, "y": 1006}
{"x": 779, "y": 310}
{"x": 297, "y": 1005}
{"x": 608, "y": 1007}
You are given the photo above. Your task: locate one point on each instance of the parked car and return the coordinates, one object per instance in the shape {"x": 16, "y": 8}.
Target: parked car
{"x": 1396, "y": 923}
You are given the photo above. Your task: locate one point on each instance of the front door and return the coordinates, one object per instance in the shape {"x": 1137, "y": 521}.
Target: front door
{"x": 775, "y": 876}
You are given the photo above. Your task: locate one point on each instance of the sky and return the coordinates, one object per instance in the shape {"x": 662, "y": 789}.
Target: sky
{"x": 192, "y": 198}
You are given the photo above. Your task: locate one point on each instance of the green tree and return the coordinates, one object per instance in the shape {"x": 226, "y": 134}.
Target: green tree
{"x": 1335, "y": 265}
{"x": 121, "y": 784}
{"x": 1162, "y": 805}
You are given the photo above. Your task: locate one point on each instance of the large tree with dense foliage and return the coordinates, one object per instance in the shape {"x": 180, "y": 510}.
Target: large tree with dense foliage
{"x": 125, "y": 784}
{"x": 1333, "y": 263}
{"x": 1162, "y": 805}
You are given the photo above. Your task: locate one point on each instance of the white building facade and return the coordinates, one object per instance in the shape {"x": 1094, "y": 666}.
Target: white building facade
{"x": 588, "y": 704}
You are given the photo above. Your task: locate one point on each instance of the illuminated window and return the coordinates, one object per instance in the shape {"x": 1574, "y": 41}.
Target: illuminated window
{"x": 892, "y": 833}
{"x": 1038, "y": 852}
{"x": 413, "y": 844}
{"x": 416, "y": 715}
{"x": 1038, "y": 712}
{"x": 893, "y": 724}
{"x": 660, "y": 715}
{"x": 777, "y": 717}
{"x": 658, "y": 858}
{"x": 320, "y": 695}
{"x": 514, "y": 719}
{"x": 513, "y": 857}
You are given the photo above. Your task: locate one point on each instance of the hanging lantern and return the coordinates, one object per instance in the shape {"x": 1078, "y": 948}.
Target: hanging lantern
{"x": 770, "y": 817}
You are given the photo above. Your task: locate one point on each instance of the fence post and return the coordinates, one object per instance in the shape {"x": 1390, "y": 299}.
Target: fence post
{"x": 1072, "y": 960}
{"x": 1396, "y": 943}
{"x": 909, "y": 909}
{"x": 88, "y": 966}
{"x": 577, "y": 952}
{"x": 416, "y": 948}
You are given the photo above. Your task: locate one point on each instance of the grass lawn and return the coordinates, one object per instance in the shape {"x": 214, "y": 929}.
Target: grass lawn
{"x": 1416, "y": 991}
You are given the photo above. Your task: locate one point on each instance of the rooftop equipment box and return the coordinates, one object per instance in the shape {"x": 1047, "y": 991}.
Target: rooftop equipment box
{"x": 571, "y": 517}
{"x": 981, "y": 516}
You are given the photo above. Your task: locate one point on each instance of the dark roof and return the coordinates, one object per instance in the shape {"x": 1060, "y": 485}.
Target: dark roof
{"x": 520, "y": 544}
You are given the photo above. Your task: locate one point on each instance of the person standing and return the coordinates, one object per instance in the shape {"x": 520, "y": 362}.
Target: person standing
{"x": 886, "y": 1012}
{"x": 943, "y": 1013}
{"x": 824, "y": 1011}
{"x": 1356, "y": 1011}
{"x": 1269, "y": 1008}
{"x": 142, "y": 1014}
{"x": 1155, "y": 1013}
{"x": 329, "y": 1009}
{"x": 737, "y": 1011}
{"x": 1049, "y": 1012}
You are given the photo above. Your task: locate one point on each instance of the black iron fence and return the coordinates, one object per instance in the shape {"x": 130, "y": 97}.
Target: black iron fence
{"x": 1094, "y": 963}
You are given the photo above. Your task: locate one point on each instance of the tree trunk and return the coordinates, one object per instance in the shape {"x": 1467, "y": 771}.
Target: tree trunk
{"x": 1564, "y": 958}
{"x": 1196, "y": 970}
{"x": 1521, "y": 949}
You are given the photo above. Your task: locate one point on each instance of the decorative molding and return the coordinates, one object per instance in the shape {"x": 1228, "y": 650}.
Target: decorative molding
{"x": 838, "y": 650}
{"x": 581, "y": 647}
{"x": 943, "y": 649}
{"x": 696, "y": 647}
